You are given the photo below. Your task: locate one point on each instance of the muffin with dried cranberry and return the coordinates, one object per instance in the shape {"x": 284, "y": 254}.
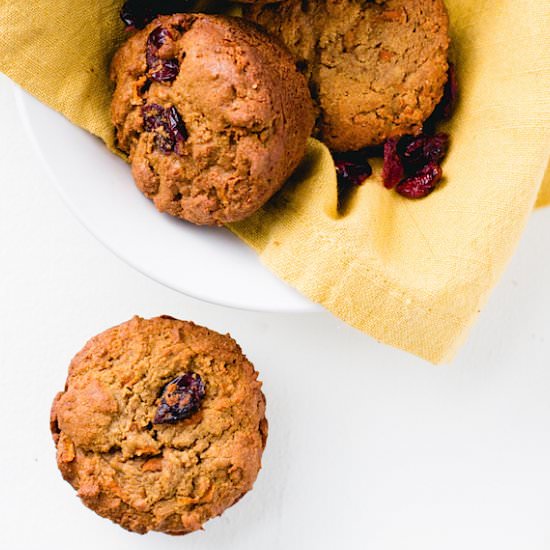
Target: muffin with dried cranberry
{"x": 213, "y": 114}
{"x": 161, "y": 425}
{"x": 376, "y": 69}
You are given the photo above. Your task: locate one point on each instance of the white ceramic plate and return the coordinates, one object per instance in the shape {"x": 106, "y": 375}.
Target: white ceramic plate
{"x": 206, "y": 263}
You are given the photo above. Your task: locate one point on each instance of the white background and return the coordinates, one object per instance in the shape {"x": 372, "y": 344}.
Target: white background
{"x": 369, "y": 447}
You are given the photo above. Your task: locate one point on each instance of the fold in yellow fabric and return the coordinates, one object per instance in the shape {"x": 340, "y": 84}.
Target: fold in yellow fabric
{"x": 411, "y": 274}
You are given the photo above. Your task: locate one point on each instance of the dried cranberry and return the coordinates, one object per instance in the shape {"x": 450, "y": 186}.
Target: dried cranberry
{"x": 167, "y": 125}
{"x": 176, "y": 125}
{"x": 137, "y": 13}
{"x": 180, "y": 399}
{"x": 352, "y": 174}
{"x": 166, "y": 71}
{"x": 157, "y": 38}
{"x": 352, "y": 168}
{"x": 132, "y": 14}
{"x": 393, "y": 171}
{"x": 417, "y": 151}
{"x": 160, "y": 70}
{"x": 421, "y": 184}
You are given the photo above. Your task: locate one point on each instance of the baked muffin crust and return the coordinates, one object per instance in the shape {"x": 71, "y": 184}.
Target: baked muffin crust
{"x": 213, "y": 114}
{"x": 140, "y": 473}
{"x": 376, "y": 68}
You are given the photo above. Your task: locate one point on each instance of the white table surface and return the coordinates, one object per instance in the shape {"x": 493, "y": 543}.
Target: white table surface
{"x": 369, "y": 447}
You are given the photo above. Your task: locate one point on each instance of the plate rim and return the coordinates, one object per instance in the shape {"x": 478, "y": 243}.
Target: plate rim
{"x": 303, "y": 304}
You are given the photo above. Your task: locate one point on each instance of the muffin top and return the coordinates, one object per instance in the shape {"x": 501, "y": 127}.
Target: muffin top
{"x": 376, "y": 68}
{"x": 213, "y": 114}
{"x": 161, "y": 425}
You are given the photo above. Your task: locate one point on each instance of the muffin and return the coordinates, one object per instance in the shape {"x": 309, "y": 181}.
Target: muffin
{"x": 213, "y": 114}
{"x": 161, "y": 425}
{"x": 376, "y": 69}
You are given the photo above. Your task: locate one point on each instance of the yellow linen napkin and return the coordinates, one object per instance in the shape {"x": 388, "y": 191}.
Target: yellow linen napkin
{"x": 411, "y": 274}
{"x": 544, "y": 193}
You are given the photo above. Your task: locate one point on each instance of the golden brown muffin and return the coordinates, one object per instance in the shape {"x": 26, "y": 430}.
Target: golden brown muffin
{"x": 161, "y": 425}
{"x": 376, "y": 68}
{"x": 213, "y": 113}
